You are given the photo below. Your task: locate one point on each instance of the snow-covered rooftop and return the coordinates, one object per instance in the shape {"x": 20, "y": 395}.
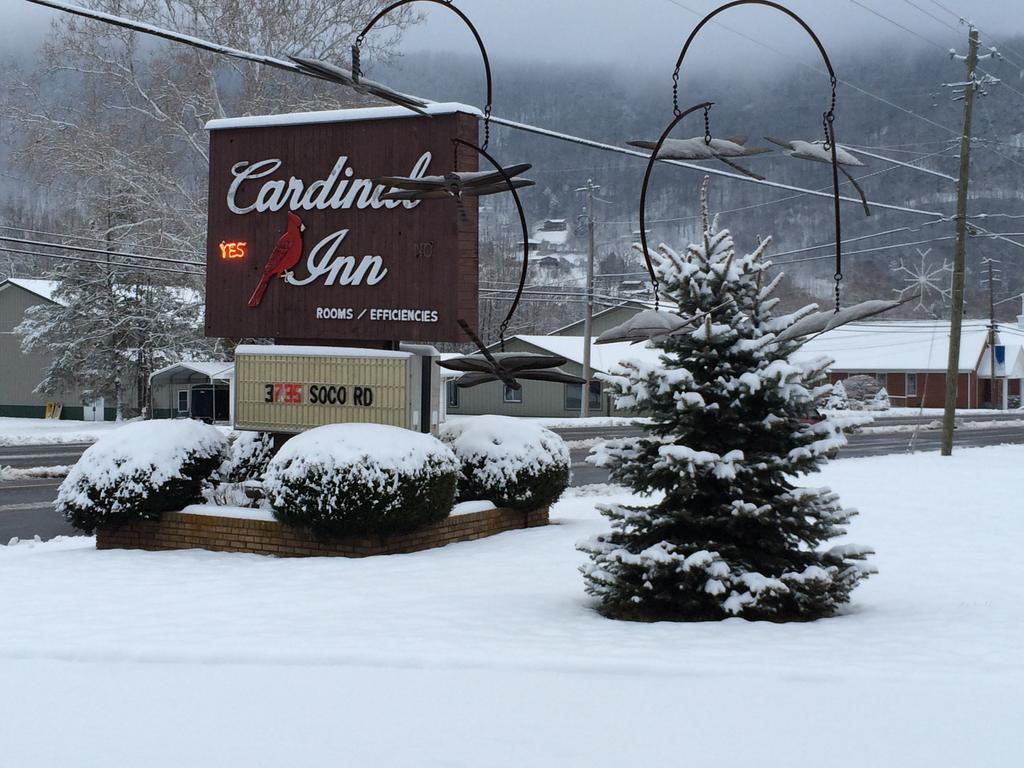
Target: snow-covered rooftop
{"x": 216, "y": 369}
{"x": 905, "y": 345}
{"x": 43, "y": 288}
{"x": 602, "y": 356}
{"x": 339, "y": 116}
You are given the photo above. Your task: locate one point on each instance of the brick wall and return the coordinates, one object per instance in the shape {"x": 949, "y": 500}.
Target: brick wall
{"x": 178, "y": 530}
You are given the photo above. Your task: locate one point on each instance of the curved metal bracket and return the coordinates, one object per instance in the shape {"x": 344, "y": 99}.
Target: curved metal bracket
{"x": 522, "y": 221}
{"x": 828, "y": 117}
{"x": 356, "y": 46}
{"x": 647, "y": 179}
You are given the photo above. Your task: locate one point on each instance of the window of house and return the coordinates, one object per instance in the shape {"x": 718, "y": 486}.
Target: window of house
{"x": 182, "y": 401}
{"x": 882, "y": 379}
{"x": 911, "y": 385}
{"x": 453, "y": 395}
{"x": 512, "y": 395}
{"x": 573, "y": 393}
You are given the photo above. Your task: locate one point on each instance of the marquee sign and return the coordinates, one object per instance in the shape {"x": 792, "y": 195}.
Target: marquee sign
{"x": 284, "y": 388}
{"x": 301, "y": 247}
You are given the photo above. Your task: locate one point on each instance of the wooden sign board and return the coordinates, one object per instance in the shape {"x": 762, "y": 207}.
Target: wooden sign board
{"x": 292, "y": 206}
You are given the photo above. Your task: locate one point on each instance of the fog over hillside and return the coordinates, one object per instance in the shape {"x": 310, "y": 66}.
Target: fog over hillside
{"x": 891, "y": 102}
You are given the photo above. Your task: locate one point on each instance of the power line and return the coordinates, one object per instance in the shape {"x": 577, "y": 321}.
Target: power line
{"x": 112, "y": 265}
{"x": 932, "y": 42}
{"x": 847, "y": 83}
{"x": 526, "y": 127}
{"x": 84, "y": 249}
{"x": 960, "y": 18}
{"x": 94, "y": 239}
{"x": 288, "y": 66}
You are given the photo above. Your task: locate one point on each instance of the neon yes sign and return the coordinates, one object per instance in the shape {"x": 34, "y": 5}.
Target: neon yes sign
{"x": 232, "y": 251}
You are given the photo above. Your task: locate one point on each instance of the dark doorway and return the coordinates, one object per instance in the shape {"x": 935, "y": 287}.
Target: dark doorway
{"x": 210, "y": 403}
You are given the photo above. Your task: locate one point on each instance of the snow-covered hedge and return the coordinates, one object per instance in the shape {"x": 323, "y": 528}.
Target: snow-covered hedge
{"x": 139, "y": 471}
{"x": 507, "y": 461}
{"x": 247, "y": 457}
{"x": 356, "y": 478}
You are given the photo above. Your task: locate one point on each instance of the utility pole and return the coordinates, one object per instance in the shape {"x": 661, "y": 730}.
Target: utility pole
{"x": 992, "y": 277}
{"x": 959, "y": 258}
{"x": 589, "y": 316}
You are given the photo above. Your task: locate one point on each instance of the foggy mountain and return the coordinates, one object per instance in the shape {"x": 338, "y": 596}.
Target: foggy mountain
{"x": 608, "y": 103}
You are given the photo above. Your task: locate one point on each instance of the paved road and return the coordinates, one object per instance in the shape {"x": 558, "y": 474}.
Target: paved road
{"x": 860, "y": 445}
{"x": 26, "y": 505}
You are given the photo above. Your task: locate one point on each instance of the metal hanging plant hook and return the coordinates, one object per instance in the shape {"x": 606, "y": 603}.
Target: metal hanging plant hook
{"x": 828, "y": 117}
{"x": 511, "y": 184}
{"x": 706, "y": 106}
{"x": 361, "y": 37}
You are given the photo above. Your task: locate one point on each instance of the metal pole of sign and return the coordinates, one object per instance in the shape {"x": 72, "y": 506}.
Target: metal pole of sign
{"x": 588, "y": 318}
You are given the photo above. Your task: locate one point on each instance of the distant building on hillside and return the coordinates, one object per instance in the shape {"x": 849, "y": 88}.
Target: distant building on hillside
{"x": 551, "y": 236}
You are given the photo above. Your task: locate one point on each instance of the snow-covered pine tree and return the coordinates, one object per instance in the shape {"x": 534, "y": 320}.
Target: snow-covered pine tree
{"x": 734, "y": 424}
{"x": 837, "y": 401}
{"x": 109, "y": 328}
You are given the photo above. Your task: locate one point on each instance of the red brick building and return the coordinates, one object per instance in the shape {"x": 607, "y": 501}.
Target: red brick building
{"x": 909, "y": 357}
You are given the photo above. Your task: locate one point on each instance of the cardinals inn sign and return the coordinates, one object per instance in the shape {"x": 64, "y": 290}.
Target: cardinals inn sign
{"x": 301, "y": 247}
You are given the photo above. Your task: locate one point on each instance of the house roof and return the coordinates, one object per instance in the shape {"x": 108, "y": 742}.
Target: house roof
{"x": 218, "y": 369}
{"x": 43, "y": 288}
{"x": 896, "y": 345}
{"x": 603, "y": 357}
{"x": 904, "y": 345}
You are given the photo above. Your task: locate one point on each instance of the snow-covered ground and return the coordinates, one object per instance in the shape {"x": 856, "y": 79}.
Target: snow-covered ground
{"x": 51, "y": 431}
{"x": 487, "y": 653}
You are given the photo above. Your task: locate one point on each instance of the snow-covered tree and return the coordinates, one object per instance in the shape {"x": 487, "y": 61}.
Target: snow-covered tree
{"x": 111, "y": 327}
{"x": 861, "y": 390}
{"x": 838, "y": 401}
{"x": 733, "y": 428}
{"x": 881, "y": 401}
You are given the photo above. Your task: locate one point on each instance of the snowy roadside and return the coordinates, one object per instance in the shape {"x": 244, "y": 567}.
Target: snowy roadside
{"x": 21, "y": 473}
{"x": 14, "y": 431}
{"x": 488, "y": 652}
{"x": 882, "y": 429}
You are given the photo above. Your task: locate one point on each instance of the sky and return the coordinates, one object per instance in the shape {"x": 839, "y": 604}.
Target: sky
{"x": 647, "y": 34}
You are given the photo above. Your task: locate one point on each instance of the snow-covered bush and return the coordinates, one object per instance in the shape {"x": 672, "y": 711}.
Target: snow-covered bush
{"x": 508, "y": 462}
{"x": 733, "y": 424}
{"x": 880, "y": 402}
{"x": 359, "y": 478}
{"x": 838, "y": 401}
{"x": 860, "y": 391}
{"x": 247, "y": 457}
{"x": 139, "y": 471}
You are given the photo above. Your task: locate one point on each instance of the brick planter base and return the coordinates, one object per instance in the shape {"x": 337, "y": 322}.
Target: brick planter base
{"x": 183, "y": 530}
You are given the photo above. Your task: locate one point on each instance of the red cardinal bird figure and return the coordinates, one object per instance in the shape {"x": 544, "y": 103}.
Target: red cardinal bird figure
{"x": 286, "y": 255}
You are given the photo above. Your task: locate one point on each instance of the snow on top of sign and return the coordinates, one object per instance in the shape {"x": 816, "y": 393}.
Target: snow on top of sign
{"x": 300, "y": 350}
{"x": 339, "y": 116}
